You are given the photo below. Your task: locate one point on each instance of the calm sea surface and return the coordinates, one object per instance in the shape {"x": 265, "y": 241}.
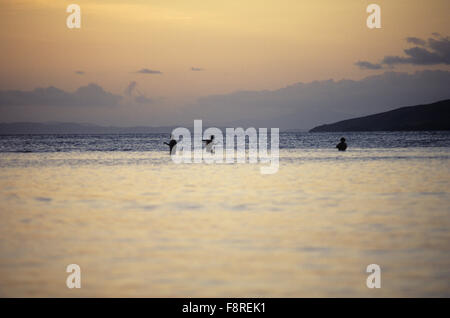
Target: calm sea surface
{"x": 140, "y": 225}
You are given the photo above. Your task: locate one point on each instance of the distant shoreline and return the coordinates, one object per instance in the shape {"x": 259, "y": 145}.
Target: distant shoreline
{"x": 168, "y": 132}
{"x": 32, "y": 128}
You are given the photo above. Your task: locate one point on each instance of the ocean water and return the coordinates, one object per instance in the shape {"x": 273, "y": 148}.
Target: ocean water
{"x": 140, "y": 225}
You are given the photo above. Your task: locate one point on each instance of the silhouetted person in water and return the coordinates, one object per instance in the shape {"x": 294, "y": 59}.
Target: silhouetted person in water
{"x": 209, "y": 141}
{"x": 342, "y": 145}
{"x": 172, "y": 143}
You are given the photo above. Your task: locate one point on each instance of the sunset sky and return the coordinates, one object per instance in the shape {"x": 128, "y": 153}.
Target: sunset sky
{"x": 164, "y": 60}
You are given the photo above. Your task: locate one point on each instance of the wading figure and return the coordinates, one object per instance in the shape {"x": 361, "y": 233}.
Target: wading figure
{"x": 342, "y": 145}
{"x": 209, "y": 144}
{"x": 172, "y": 145}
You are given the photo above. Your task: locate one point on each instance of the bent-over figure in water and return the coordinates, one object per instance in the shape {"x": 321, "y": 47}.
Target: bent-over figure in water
{"x": 209, "y": 144}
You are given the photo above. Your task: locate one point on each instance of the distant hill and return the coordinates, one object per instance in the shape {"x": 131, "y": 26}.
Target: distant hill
{"x": 73, "y": 128}
{"x": 435, "y": 116}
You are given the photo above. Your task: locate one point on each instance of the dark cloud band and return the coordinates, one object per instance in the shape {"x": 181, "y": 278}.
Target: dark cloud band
{"x": 148, "y": 71}
{"x": 90, "y": 95}
{"x": 433, "y": 51}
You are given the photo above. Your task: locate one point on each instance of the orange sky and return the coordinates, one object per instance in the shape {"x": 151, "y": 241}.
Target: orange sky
{"x": 239, "y": 44}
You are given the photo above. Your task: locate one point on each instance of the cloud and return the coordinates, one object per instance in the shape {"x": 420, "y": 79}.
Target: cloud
{"x": 196, "y": 69}
{"x": 416, "y": 41}
{"x": 368, "y": 66}
{"x": 90, "y": 95}
{"x": 148, "y": 71}
{"x": 305, "y": 105}
{"x": 141, "y": 99}
{"x": 80, "y": 72}
{"x": 301, "y": 105}
{"x": 433, "y": 51}
{"x": 130, "y": 88}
